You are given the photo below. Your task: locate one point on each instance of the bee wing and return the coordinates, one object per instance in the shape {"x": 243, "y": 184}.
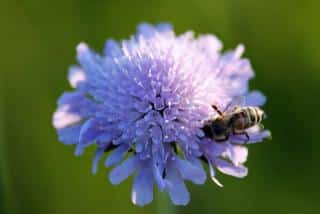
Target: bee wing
{"x": 236, "y": 102}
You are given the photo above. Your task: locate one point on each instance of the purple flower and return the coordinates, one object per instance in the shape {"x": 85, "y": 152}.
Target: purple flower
{"x": 144, "y": 102}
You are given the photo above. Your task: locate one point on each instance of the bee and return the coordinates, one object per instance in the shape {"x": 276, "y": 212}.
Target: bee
{"x": 234, "y": 121}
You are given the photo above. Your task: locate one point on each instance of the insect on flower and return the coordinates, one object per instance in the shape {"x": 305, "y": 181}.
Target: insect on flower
{"x": 235, "y": 120}
{"x": 142, "y": 103}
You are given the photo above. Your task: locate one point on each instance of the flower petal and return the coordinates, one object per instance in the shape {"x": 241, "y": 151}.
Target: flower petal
{"x": 238, "y": 154}
{"x": 76, "y": 76}
{"x": 90, "y": 131}
{"x": 164, "y": 27}
{"x": 190, "y": 171}
{"x": 146, "y": 30}
{"x": 79, "y": 150}
{"x": 254, "y": 137}
{"x": 69, "y": 135}
{"x": 156, "y": 134}
{"x": 157, "y": 174}
{"x": 96, "y": 159}
{"x": 117, "y": 155}
{"x": 63, "y": 117}
{"x": 177, "y": 189}
{"x": 73, "y": 107}
{"x": 123, "y": 171}
{"x": 255, "y": 98}
{"x": 92, "y": 65}
{"x": 210, "y": 45}
{"x": 112, "y": 49}
{"x": 142, "y": 192}
{"x": 230, "y": 169}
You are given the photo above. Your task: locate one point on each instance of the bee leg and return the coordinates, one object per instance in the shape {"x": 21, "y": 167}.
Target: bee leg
{"x": 216, "y": 109}
{"x": 247, "y": 136}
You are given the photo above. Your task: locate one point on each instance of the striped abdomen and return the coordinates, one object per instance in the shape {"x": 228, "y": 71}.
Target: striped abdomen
{"x": 254, "y": 114}
{"x": 246, "y": 117}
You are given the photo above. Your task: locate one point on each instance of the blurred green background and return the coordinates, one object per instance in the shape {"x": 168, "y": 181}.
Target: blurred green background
{"x": 38, "y": 40}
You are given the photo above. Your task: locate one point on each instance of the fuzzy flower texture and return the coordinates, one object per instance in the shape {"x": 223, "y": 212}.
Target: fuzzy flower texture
{"x": 143, "y": 103}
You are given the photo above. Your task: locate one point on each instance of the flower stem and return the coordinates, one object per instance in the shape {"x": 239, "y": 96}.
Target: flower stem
{"x": 164, "y": 205}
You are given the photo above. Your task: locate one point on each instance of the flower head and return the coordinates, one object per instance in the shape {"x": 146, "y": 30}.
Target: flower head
{"x": 144, "y": 103}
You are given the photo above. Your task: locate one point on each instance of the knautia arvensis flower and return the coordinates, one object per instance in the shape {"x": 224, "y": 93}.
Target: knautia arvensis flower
{"x": 143, "y": 104}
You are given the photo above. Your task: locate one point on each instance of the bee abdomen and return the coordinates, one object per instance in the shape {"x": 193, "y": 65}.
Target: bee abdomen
{"x": 254, "y": 114}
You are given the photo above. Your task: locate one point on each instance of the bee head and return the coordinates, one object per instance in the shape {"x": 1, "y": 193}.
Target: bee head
{"x": 219, "y": 128}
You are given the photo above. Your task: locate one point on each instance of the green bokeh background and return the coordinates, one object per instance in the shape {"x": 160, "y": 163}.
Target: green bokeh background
{"x": 39, "y": 175}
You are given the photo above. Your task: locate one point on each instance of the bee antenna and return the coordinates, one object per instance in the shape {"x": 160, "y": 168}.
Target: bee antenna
{"x": 217, "y": 110}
